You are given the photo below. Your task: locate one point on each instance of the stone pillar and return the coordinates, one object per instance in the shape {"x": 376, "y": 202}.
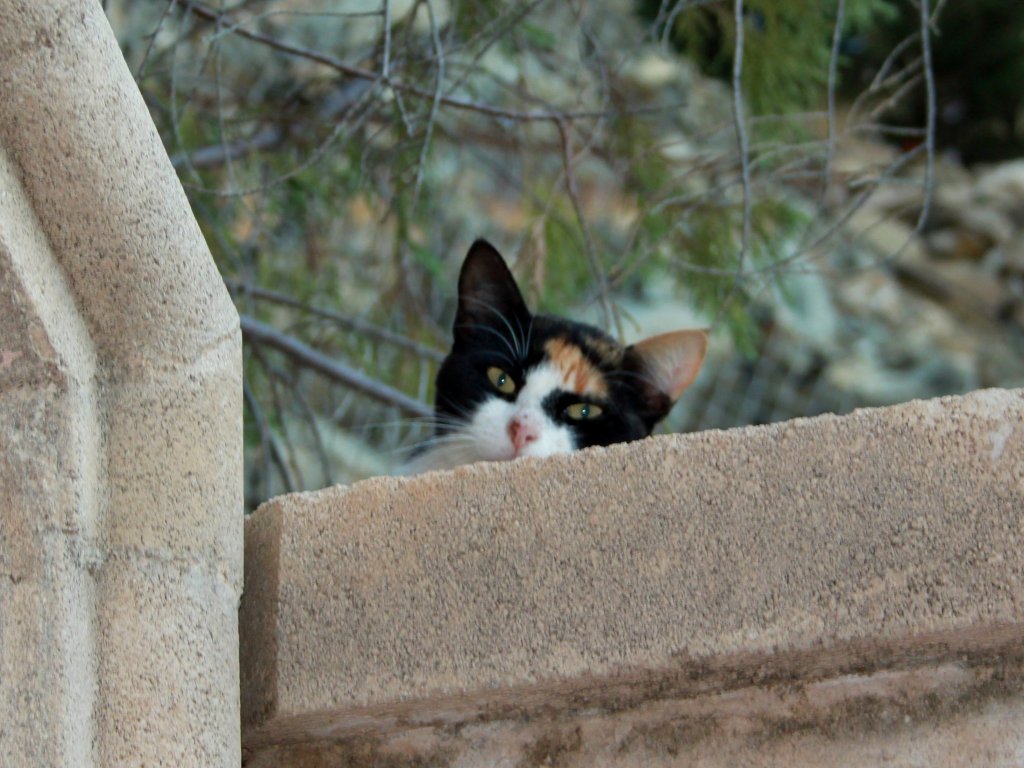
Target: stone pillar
{"x": 120, "y": 421}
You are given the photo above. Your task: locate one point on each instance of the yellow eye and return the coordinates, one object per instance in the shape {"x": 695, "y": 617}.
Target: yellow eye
{"x": 501, "y": 380}
{"x": 583, "y": 411}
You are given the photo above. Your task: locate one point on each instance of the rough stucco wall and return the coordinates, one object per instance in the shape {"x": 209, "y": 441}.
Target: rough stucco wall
{"x": 120, "y": 416}
{"x": 48, "y": 431}
{"x": 527, "y": 594}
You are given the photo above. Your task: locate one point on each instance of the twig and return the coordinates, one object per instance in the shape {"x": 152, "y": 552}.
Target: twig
{"x": 385, "y": 67}
{"x": 896, "y": 96}
{"x": 494, "y": 31}
{"x": 271, "y": 14}
{"x": 271, "y": 450}
{"x": 670, "y": 20}
{"x": 152, "y": 40}
{"x": 217, "y": 154}
{"x": 275, "y": 377}
{"x": 221, "y": 127}
{"x": 588, "y": 243}
{"x": 318, "y": 440}
{"x": 882, "y": 78}
{"x": 743, "y": 145}
{"x": 342, "y": 127}
{"x": 833, "y": 65}
{"x": 261, "y": 425}
{"x": 256, "y": 332}
{"x": 434, "y": 105}
{"x": 838, "y": 222}
{"x": 272, "y": 136}
{"x": 742, "y": 139}
{"x": 345, "y": 321}
{"x": 173, "y": 97}
{"x": 929, "y": 141}
{"x": 208, "y": 14}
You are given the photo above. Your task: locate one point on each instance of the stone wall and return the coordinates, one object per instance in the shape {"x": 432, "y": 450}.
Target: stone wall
{"x": 120, "y": 421}
{"x": 817, "y": 592}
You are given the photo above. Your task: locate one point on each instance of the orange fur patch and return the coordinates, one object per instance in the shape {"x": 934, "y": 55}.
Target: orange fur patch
{"x": 578, "y": 373}
{"x": 610, "y": 351}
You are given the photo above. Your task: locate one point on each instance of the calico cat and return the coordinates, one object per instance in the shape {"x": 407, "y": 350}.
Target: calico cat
{"x": 518, "y": 384}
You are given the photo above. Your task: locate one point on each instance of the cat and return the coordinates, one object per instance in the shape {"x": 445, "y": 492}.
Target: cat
{"x": 519, "y": 384}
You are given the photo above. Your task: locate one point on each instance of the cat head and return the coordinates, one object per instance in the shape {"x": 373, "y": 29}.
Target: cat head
{"x": 520, "y": 384}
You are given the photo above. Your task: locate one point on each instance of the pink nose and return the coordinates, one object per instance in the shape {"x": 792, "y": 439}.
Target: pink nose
{"x": 522, "y": 431}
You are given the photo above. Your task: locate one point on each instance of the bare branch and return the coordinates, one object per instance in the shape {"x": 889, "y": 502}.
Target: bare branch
{"x": 141, "y": 71}
{"x": 883, "y": 79}
{"x": 352, "y": 323}
{"x": 314, "y": 428}
{"x": 341, "y": 129}
{"x": 435, "y": 38}
{"x": 493, "y": 32}
{"x": 929, "y": 80}
{"x": 335, "y": 106}
{"x": 271, "y": 450}
{"x": 743, "y": 146}
{"x": 833, "y": 65}
{"x": 385, "y": 67}
{"x": 255, "y": 332}
{"x": 742, "y": 139}
{"x": 217, "y": 154}
{"x": 669, "y": 19}
{"x": 565, "y": 130}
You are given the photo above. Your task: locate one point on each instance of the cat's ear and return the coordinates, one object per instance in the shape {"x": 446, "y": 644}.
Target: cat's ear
{"x": 665, "y": 366}
{"x": 488, "y": 295}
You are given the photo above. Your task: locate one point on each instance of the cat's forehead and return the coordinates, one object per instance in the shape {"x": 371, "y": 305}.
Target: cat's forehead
{"x": 605, "y": 349}
{"x": 588, "y": 337}
{"x": 579, "y": 353}
{"x": 601, "y": 348}
{"x": 578, "y": 374}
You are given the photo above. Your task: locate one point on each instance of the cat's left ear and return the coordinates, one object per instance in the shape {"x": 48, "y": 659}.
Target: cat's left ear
{"x": 488, "y": 295}
{"x": 666, "y": 365}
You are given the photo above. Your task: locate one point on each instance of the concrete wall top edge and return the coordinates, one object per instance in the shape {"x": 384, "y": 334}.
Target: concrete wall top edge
{"x": 885, "y": 525}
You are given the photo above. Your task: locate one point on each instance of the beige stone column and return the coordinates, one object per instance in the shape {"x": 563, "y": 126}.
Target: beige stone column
{"x": 120, "y": 421}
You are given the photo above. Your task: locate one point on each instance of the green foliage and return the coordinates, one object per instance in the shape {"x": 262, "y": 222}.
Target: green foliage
{"x": 566, "y": 269}
{"x": 787, "y": 45}
{"x": 537, "y": 36}
{"x": 472, "y": 19}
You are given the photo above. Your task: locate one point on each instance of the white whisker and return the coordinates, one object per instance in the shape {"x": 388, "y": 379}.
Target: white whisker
{"x": 516, "y": 345}
{"x": 512, "y": 360}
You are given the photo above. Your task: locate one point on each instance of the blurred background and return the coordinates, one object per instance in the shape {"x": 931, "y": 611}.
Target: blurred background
{"x": 835, "y": 188}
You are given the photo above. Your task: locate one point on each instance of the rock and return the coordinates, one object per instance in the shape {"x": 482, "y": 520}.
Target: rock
{"x": 954, "y": 243}
{"x": 1003, "y": 187}
{"x": 981, "y": 219}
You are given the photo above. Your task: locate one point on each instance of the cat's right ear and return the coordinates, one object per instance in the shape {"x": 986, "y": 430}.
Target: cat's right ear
{"x": 488, "y": 295}
{"x": 665, "y": 366}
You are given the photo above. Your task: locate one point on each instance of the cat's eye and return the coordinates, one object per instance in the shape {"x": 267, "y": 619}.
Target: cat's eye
{"x": 583, "y": 411}
{"x": 501, "y": 380}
